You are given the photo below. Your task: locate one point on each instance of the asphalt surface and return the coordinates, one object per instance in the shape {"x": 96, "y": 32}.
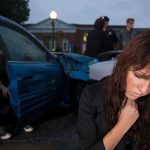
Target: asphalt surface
{"x": 55, "y": 131}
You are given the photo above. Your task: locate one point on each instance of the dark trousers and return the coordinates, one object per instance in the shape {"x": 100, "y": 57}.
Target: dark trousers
{"x": 8, "y": 118}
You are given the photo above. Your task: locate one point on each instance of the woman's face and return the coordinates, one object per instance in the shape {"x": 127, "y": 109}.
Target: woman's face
{"x": 137, "y": 85}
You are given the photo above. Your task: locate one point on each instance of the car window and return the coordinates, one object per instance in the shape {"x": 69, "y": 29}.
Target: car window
{"x": 20, "y": 47}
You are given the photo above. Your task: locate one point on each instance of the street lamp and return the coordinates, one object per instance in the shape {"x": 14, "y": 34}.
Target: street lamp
{"x": 53, "y": 16}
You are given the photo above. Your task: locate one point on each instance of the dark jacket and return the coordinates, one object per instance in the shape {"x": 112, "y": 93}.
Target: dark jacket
{"x": 92, "y": 123}
{"x": 3, "y": 71}
{"x": 110, "y": 40}
{"x": 125, "y": 37}
{"x": 94, "y": 44}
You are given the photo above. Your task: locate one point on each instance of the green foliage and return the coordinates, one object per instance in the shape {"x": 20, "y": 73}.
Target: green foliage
{"x": 16, "y": 10}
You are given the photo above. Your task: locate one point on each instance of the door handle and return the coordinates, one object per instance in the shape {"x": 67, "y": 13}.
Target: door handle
{"x": 26, "y": 76}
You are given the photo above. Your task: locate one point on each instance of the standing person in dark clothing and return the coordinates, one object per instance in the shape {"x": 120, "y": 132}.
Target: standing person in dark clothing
{"x": 127, "y": 34}
{"x": 101, "y": 39}
{"x": 110, "y": 38}
{"x": 8, "y": 117}
{"x": 114, "y": 114}
{"x": 94, "y": 44}
{"x": 4, "y": 99}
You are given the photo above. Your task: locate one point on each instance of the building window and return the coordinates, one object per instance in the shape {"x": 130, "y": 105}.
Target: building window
{"x": 50, "y": 44}
{"x": 85, "y": 34}
{"x": 65, "y": 45}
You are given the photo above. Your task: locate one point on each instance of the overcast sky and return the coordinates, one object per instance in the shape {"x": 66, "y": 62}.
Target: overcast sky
{"x": 86, "y": 11}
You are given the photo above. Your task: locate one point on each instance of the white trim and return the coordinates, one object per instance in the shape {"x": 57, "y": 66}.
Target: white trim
{"x": 45, "y": 26}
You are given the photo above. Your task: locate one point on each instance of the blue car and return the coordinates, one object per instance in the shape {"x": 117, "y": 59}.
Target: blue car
{"x": 38, "y": 77}
{"x": 37, "y": 80}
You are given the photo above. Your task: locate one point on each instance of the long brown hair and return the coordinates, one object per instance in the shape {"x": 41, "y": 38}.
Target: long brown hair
{"x": 99, "y": 24}
{"x": 136, "y": 55}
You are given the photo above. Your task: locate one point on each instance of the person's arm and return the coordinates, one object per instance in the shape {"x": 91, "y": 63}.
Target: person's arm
{"x": 120, "y": 38}
{"x": 116, "y": 46}
{"x": 128, "y": 116}
{"x": 87, "y": 130}
{"x": 115, "y": 40}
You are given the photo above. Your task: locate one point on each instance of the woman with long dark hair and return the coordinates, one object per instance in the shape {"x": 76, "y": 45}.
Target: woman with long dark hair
{"x": 94, "y": 44}
{"x": 115, "y": 112}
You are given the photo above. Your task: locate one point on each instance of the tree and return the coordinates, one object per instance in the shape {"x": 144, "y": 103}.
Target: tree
{"x": 16, "y": 10}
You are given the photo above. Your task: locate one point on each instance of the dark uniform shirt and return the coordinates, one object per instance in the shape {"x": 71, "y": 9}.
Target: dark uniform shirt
{"x": 110, "y": 40}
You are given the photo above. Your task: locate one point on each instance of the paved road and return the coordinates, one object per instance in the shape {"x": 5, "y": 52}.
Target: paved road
{"x": 50, "y": 146}
{"x": 53, "y": 132}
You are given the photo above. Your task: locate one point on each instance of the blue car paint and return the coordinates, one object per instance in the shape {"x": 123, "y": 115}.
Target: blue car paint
{"x": 35, "y": 87}
{"x": 34, "y": 83}
{"x": 76, "y": 66}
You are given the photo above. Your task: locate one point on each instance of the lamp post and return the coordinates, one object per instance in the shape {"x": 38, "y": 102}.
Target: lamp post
{"x": 53, "y": 16}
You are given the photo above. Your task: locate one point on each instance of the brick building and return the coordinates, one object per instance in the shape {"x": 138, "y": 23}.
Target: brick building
{"x": 68, "y": 37}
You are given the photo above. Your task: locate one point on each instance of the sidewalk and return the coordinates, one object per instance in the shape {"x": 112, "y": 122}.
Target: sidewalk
{"x": 56, "y": 133}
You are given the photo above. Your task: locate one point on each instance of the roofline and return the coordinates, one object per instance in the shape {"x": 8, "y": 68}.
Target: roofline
{"x": 71, "y": 25}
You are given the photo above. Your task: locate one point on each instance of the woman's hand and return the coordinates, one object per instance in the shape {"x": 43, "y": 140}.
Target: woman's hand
{"x": 127, "y": 117}
{"x": 129, "y": 114}
{"x": 5, "y": 90}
